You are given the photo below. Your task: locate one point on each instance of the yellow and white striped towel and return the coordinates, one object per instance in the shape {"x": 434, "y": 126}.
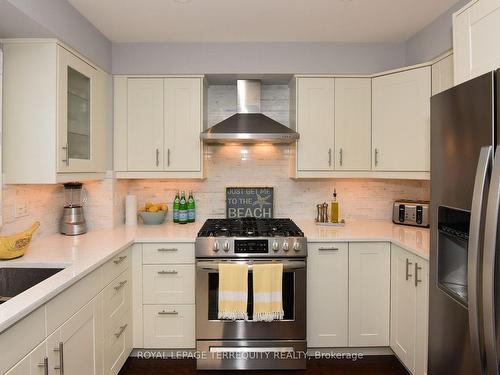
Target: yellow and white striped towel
{"x": 267, "y": 292}
{"x": 233, "y": 291}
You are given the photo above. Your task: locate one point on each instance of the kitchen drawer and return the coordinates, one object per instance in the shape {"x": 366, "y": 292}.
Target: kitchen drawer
{"x": 117, "y": 296}
{"x": 165, "y": 253}
{"x": 64, "y": 305}
{"x": 170, "y": 284}
{"x": 169, "y": 326}
{"x": 117, "y": 343}
{"x": 115, "y": 266}
{"x": 21, "y": 338}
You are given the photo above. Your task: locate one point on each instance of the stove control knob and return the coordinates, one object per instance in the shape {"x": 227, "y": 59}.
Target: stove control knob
{"x": 275, "y": 246}
{"x": 226, "y": 246}
{"x": 216, "y": 246}
{"x": 296, "y": 246}
{"x": 285, "y": 246}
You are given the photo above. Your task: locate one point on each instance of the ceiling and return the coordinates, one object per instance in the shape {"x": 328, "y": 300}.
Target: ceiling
{"x": 260, "y": 20}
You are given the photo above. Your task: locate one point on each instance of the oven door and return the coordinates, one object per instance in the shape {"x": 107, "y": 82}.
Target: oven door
{"x": 292, "y": 327}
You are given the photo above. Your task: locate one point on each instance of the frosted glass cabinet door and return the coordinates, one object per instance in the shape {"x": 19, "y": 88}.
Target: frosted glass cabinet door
{"x": 77, "y": 82}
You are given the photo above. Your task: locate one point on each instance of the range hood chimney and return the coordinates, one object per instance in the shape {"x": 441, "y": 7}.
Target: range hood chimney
{"x": 249, "y": 125}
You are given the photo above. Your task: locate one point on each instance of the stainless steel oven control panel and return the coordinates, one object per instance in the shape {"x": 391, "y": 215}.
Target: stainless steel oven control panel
{"x": 245, "y": 247}
{"x": 411, "y": 213}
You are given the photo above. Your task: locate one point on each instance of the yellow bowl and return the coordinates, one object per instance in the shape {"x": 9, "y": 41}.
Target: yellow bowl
{"x": 15, "y": 246}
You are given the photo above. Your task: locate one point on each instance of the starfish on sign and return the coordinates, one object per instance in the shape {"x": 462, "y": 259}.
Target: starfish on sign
{"x": 262, "y": 201}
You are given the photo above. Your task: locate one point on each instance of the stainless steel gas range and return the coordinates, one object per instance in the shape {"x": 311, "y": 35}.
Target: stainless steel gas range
{"x": 230, "y": 345}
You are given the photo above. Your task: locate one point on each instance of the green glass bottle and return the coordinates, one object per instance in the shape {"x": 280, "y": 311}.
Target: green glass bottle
{"x": 191, "y": 208}
{"x": 175, "y": 211}
{"x": 183, "y": 210}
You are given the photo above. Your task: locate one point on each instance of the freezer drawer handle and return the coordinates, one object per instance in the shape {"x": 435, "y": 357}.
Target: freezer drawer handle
{"x": 408, "y": 264}
{"x": 489, "y": 264}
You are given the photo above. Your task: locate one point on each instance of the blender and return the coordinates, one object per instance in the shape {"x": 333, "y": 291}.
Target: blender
{"x": 73, "y": 221}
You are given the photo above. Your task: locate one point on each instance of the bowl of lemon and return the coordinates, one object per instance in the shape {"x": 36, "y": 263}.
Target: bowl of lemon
{"x": 153, "y": 213}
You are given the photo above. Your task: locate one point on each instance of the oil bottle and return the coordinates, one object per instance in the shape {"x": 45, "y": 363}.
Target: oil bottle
{"x": 334, "y": 208}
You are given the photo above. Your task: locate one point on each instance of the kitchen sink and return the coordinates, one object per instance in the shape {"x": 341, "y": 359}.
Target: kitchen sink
{"x": 14, "y": 281}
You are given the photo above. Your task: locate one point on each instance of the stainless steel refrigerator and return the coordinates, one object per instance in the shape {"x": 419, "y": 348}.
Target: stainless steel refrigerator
{"x": 464, "y": 290}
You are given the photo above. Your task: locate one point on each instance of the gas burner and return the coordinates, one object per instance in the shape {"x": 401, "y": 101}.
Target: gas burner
{"x": 250, "y": 227}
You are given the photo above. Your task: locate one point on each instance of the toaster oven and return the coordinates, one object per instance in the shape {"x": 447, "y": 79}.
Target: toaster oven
{"x": 408, "y": 212}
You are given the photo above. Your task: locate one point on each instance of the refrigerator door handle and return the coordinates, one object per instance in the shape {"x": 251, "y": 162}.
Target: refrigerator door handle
{"x": 489, "y": 262}
{"x": 473, "y": 257}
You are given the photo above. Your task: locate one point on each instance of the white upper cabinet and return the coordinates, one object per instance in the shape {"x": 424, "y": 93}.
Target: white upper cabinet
{"x": 157, "y": 126}
{"x": 183, "y": 124}
{"x": 353, "y": 123}
{"x": 145, "y": 124}
{"x": 401, "y": 121}
{"x": 476, "y": 31}
{"x": 54, "y": 114}
{"x": 442, "y": 75}
{"x": 315, "y": 123}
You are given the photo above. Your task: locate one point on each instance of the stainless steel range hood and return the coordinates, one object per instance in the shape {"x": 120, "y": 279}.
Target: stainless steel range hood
{"x": 249, "y": 125}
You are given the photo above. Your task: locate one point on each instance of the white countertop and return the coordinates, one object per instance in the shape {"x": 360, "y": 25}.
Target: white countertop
{"x": 80, "y": 255}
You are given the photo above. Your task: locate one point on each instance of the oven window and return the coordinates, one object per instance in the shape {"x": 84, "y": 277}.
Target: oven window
{"x": 288, "y": 295}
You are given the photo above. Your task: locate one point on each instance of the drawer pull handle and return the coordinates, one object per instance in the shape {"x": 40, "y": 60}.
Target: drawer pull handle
{"x": 120, "y": 285}
{"x": 121, "y": 330}
{"x": 328, "y": 249}
{"x": 60, "y": 349}
{"x": 163, "y": 249}
{"x": 120, "y": 259}
{"x": 164, "y": 312}
{"x": 173, "y": 272}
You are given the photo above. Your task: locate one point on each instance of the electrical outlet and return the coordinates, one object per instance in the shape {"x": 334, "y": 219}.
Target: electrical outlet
{"x": 21, "y": 209}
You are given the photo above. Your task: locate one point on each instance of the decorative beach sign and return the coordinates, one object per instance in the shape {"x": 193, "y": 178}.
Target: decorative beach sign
{"x": 249, "y": 202}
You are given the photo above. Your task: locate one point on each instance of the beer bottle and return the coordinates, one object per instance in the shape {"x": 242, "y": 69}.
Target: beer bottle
{"x": 175, "y": 210}
{"x": 191, "y": 208}
{"x": 183, "y": 210}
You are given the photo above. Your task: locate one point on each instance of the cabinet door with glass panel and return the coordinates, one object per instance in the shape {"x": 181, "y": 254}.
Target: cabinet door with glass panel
{"x": 77, "y": 106}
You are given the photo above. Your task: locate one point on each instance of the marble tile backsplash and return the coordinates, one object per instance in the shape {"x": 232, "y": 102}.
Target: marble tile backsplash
{"x": 267, "y": 165}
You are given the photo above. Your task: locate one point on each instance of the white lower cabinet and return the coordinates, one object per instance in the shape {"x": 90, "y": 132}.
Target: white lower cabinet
{"x": 369, "y": 294}
{"x": 76, "y": 347}
{"x": 409, "y": 309}
{"x": 169, "y": 326}
{"x": 85, "y": 330}
{"x": 168, "y": 284}
{"x": 34, "y": 363}
{"x": 327, "y": 295}
{"x": 164, "y": 305}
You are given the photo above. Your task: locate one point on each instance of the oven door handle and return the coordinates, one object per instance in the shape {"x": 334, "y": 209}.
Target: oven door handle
{"x": 287, "y": 265}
